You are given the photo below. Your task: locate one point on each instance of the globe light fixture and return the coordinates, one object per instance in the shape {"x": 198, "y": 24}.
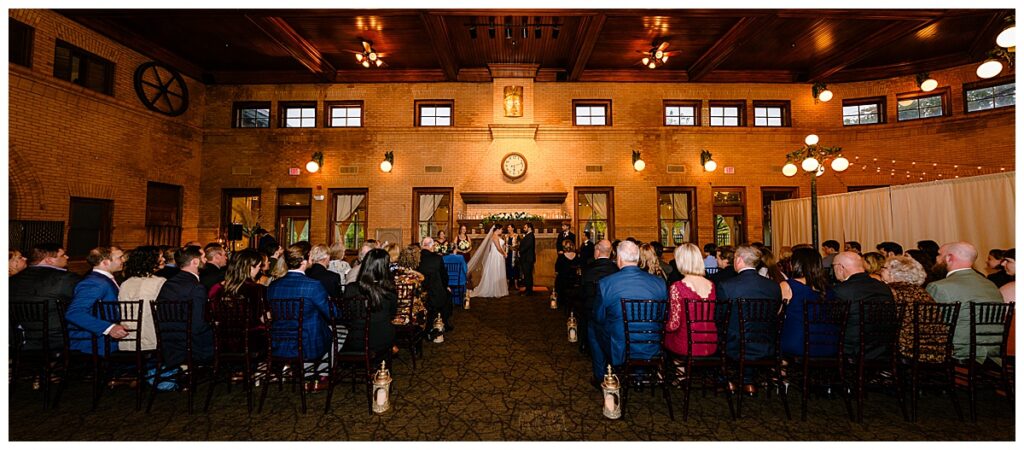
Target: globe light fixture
{"x": 840, "y": 164}
{"x": 638, "y": 164}
{"x": 990, "y": 68}
{"x": 789, "y": 169}
{"x": 1008, "y": 37}
{"x": 825, "y": 95}
{"x": 705, "y": 160}
{"x": 388, "y": 163}
{"x": 809, "y": 164}
{"x": 820, "y": 92}
{"x": 811, "y": 139}
{"x": 926, "y": 82}
{"x": 315, "y": 162}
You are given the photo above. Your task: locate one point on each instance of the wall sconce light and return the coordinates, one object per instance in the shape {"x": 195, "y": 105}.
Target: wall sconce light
{"x": 1008, "y": 37}
{"x": 820, "y": 92}
{"x": 993, "y": 64}
{"x": 926, "y": 82}
{"x": 315, "y": 162}
{"x": 388, "y": 163}
{"x": 638, "y": 164}
{"x": 705, "y": 160}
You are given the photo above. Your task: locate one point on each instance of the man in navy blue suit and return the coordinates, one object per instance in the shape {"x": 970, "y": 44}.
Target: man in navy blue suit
{"x": 98, "y": 285}
{"x": 746, "y": 284}
{"x": 185, "y": 286}
{"x": 315, "y": 310}
{"x": 607, "y": 332}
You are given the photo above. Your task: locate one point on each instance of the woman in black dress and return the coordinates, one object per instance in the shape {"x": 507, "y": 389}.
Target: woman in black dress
{"x": 567, "y": 277}
{"x": 376, "y": 284}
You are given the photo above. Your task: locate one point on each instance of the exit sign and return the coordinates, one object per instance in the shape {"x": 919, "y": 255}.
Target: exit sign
{"x": 294, "y": 171}
{"x": 730, "y": 170}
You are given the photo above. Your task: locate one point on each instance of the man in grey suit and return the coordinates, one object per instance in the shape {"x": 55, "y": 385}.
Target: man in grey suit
{"x": 962, "y": 284}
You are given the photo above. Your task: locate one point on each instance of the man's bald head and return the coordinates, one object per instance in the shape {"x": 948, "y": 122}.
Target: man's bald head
{"x": 958, "y": 255}
{"x": 846, "y": 264}
{"x": 603, "y": 249}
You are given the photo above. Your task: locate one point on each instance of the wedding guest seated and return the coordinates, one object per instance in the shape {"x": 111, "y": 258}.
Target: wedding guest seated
{"x": 353, "y": 273}
{"x": 405, "y": 273}
{"x": 216, "y": 263}
{"x": 768, "y": 266}
{"x": 723, "y": 256}
{"x": 873, "y": 262}
{"x": 888, "y": 249}
{"x": 240, "y": 282}
{"x": 855, "y": 286}
{"x": 930, "y": 248}
{"x": 45, "y": 280}
{"x": 710, "y": 258}
{"x": 1009, "y": 296}
{"x": 142, "y": 284}
{"x": 600, "y": 267}
{"x": 316, "y": 313}
{"x": 567, "y": 277}
{"x": 650, "y": 262}
{"x": 994, "y": 265}
{"x": 666, "y": 268}
{"x": 746, "y": 284}
{"x": 319, "y": 257}
{"x": 926, "y": 262}
{"x": 830, "y": 248}
{"x": 15, "y": 262}
{"x": 337, "y": 263}
{"x": 905, "y": 277}
{"x": 169, "y": 268}
{"x": 693, "y": 286}
{"x": 807, "y": 283}
{"x": 607, "y": 326}
{"x": 98, "y": 285}
{"x": 963, "y": 284}
{"x": 185, "y": 286}
{"x": 376, "y": 285}
{"x": 852, "y": 246}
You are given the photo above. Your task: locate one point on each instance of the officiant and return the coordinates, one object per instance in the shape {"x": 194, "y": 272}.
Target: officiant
{"x": 511, "y": 240}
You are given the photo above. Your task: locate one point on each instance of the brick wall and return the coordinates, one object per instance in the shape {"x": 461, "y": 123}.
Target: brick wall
{"x": 67, "y": 141}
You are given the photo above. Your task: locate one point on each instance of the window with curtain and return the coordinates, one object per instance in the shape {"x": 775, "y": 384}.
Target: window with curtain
{"x": 595, "y": 213}
{"x": 242, "y": 206}
{"x": 294, "y": 215}
{"x": 432, "y": 211}
{"x": 348, "y": 220}
{"x": 676, "y": 216}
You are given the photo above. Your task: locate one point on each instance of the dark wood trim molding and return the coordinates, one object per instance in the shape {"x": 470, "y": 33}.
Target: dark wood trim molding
{"x": 292, "y": 42}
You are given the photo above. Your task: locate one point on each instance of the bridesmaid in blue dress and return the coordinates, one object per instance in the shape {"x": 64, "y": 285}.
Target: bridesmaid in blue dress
{"x": 807, "y": 283}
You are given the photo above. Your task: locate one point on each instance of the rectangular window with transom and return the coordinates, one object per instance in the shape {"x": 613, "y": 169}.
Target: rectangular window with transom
{"x": 771, "y": 114}
{"x": 677, "y": 216}
{"x": 78, "y": 66}
{"x": 595, "y": 213}
{"x": 344, "y": 114}
{"x": 298, "y": 114}
{"x": 431, "y": 212}
{"x": 592, "y": 112}
{"x": 435, "y": 113}
{"x": 922, "y": 105}
{"x": 20, "y": 42}
{"x": 990, "y": 94}
{"x": 863, "y": 111}
{"x": 727, "y": 113}
{"x": 682, "y": 113}
{"x": 347, "y": 221}
{"x": 251, "y": 115}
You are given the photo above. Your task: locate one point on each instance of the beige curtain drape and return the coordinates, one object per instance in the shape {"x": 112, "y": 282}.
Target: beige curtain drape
{"x": 979, "y": 210}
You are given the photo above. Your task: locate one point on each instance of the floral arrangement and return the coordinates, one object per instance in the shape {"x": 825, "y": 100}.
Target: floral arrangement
{"x": 463, "y": 246}
{"x": 443, "y": 248}
{"x": 510, "y": 216}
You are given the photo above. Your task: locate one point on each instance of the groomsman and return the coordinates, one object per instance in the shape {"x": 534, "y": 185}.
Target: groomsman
{"x": 527, "y": 257}
{"x": 565, "y": 234}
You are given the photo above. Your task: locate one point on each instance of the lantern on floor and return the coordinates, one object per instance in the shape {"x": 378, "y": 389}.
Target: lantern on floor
{"x": 554, "y": 300}
{"x": 610, "y": 389}
{"x": 439, "y": 329}
{"x": 382, "y": 390}
{"x": 572, "y": 327}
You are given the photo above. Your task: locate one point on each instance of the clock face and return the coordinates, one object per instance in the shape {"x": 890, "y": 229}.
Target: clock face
{"x": 513, "y": 165}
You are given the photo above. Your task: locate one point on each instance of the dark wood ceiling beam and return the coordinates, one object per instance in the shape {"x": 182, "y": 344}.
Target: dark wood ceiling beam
{"x": 140, "y": 44}
{"x": 986, "y": 38}
{"x": 743, "y": 30}
{"x": 589, "y": 31}
{"x": 866, "y": 47}
{"x": 292, "y": 42}
{"x": 437, "y": 31}
{"x": 342, "y": 76}
{"x": 903, "y": 69}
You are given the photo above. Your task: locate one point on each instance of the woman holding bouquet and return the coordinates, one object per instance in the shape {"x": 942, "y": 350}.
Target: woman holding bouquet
{"x": 462, "y": 243}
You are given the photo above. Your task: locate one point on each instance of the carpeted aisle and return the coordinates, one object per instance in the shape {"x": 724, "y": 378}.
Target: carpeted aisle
{"x": 506, "y": 373}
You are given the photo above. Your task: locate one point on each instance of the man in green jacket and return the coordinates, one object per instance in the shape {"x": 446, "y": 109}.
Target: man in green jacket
{"x": 963, "y": 284}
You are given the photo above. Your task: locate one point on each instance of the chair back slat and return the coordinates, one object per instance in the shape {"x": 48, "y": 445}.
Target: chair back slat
{"x": 759, "y": 323}
{"x": 644, "y": 323}
{"x": 285, "y": 322}
{"x": 172, "y": 320}
{"x": 708, "y": 271}
{"x": 706, "y": 322}
{"x": 128, "y": 314}
{"x": 824, "y": 326}
{"x": 934, "y": 325}
{"x": 351, "y": 312}
{"x": 30, "y": 322}
{"x": 879, "y": 325}
{"x": 232, "y": 322}
{"x": 67, "y": 328}
{"x": 990, "y": 328}
{"x": 456, "y": 277}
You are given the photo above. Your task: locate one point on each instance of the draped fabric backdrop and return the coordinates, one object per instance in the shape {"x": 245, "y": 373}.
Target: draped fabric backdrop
{"x": 681, "y": 211}
{"x": 979, "y": 210}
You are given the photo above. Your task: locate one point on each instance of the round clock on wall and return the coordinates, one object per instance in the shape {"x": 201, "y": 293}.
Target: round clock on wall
{"x": 513, "y": 165}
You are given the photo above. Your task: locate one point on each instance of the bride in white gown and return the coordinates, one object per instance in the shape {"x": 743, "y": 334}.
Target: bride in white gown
{"x": 488, "y": 266}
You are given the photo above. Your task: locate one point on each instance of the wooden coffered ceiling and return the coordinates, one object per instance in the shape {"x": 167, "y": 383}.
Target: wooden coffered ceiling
{"x": 786, "y": 45}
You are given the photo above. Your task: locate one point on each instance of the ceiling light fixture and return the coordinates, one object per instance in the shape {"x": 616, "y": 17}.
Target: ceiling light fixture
{"x": 656, "y": 56}
{"x": 820, "y": 92}
{"x": 369, "y": 58}
{"x": 1008, "y": 37}
{"x": 993, "y": 65}
{"x": 926, "y": 82}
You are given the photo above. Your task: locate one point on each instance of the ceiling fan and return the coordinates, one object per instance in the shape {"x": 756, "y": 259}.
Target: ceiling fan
{"x": 657, "y": 56}
{"x": 369, "y": 57}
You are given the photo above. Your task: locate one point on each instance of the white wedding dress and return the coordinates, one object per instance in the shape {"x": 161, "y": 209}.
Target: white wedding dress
{"x": 488, "y": 267}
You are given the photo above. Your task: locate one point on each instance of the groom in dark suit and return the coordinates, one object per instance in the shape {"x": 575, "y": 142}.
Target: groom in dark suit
{"x": 527, "y": 256}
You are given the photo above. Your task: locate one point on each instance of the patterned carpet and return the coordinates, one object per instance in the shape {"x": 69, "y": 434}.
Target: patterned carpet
{"x": 506, "y": 373}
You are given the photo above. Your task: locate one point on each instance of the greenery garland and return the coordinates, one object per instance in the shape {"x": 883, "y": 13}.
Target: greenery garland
{"x": 506, "y": 217}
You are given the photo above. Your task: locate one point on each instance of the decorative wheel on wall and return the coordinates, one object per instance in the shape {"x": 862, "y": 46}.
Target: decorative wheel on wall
{"x": 161, "y": 88}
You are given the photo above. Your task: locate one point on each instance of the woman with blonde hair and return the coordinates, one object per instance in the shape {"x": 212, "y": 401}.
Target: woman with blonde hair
{"x": 650, "y": 261}
{"x": 337, "y": 263}
{"x": 693, "y": 286}
{"x": 873, "y": 263}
